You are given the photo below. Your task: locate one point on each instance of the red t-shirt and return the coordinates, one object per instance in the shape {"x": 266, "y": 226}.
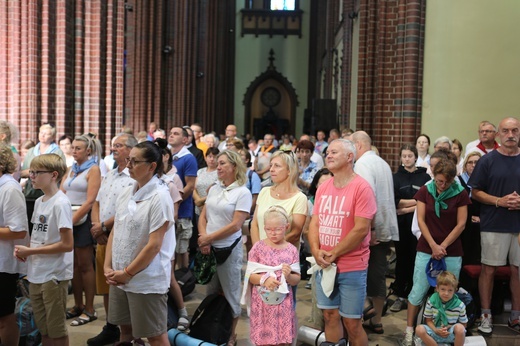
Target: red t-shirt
{"x": 336, "y": 210}
{"x": 440, "y": 227}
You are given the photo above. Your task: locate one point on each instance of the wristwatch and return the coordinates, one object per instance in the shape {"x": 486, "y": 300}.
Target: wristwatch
{"x": 104, "y": 228}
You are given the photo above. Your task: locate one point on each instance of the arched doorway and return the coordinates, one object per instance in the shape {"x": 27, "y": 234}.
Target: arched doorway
{"x": 270, "y": 104}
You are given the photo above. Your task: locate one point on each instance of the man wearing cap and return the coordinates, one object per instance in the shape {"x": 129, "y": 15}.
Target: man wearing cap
{"x": 495, "y": 184}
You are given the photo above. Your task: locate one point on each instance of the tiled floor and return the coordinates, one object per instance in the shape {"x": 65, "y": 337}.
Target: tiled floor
{"x": 394, "y": 323}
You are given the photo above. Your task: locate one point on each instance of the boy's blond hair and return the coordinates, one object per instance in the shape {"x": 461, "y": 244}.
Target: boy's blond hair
{"x": 447, "y": 278}
{"x": 276, "y": 211}
{"x": 51, "y": 162}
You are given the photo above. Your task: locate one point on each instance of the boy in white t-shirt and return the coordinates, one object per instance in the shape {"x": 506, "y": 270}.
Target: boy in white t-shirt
{"x": 50, "y": 257}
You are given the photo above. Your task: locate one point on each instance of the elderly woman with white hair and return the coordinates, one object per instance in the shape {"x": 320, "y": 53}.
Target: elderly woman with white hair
{"x": 442, "y": 142}
{"x": 210, "y": 140}
{"x": 46, "y": 145}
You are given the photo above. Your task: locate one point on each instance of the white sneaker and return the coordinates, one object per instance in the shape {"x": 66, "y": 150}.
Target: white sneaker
{"x": 486, "y": 325}
{"x": 408, "y": 339}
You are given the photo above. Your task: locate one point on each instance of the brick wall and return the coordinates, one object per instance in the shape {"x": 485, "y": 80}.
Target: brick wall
{"x": 391, "y": 45}
{"x": 61, "y": 62}
{"x": 180, "y": 68}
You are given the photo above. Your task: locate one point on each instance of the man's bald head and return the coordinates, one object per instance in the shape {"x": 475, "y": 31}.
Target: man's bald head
{"x": 305, "y": 138}
{"x": 362, "y": 141}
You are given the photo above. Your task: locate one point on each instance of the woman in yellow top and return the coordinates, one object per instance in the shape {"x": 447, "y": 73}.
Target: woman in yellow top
{"x": 285, "y": 193}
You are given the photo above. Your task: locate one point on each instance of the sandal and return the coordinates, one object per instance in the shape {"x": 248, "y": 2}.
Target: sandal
{"x": 183, "y": 324}
{"x": 84, "y": 318}
{"x": 368, "y": 313}
{"x": 232, "y": 340}
{"x": 514, "y": 325}
{"x": 74, "y": 312}
{"x": 374, "y": 327}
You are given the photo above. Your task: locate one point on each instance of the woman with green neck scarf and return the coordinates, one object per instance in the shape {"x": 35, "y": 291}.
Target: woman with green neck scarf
{"x": 442, "y": 209}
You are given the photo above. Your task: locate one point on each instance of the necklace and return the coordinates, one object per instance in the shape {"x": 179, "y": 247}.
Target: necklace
{"x": 277, "y": 194}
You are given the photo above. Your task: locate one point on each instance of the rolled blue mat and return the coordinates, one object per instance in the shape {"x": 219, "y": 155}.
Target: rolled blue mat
{"x": 177, "y": 338}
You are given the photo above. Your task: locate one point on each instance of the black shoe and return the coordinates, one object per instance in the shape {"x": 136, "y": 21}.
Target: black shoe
{"x": 108, "y": 336}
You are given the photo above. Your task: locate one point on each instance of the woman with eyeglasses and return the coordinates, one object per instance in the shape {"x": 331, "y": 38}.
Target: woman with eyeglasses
{"x": 456, "y": 149}
{"x": 442, "y": 209}
{"x": 234, "y": 144}
{"x": 81, "y": 184}
{"x": 220, "y": 230}
{"x": 284, "y": 173}
{"x": 471, "y": 236}
{"x": 140, "y": 249}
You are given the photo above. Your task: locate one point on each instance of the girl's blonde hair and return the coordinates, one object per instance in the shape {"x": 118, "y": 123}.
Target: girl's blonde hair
{"x": 276, "y": 211}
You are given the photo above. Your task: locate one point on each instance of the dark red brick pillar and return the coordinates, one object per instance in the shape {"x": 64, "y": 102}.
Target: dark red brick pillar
{"x": 391, "y": 46}
{"x": 61, "y": 62}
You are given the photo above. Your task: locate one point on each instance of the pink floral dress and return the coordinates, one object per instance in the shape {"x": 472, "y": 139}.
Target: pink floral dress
{"x": 272, "y": 324}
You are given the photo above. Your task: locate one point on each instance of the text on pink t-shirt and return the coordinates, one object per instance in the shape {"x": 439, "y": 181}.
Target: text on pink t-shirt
{"x": 336, "y": 210}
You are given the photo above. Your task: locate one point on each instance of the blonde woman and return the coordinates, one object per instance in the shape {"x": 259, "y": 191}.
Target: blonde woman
{"x": 81, "y": 185}
{"x": 285, "y": 193}
{"x": 220, "y": 229}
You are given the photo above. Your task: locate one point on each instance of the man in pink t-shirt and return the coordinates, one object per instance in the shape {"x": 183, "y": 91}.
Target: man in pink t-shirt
{"x": 339, "y": 233}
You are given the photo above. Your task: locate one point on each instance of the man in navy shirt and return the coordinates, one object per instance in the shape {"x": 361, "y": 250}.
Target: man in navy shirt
{"x": 496, "y": 184}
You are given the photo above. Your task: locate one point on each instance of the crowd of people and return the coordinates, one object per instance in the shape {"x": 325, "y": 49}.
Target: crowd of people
{"x": 119, "y": 226}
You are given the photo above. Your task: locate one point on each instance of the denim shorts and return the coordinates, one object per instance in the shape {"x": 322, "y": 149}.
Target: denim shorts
{"x": 348, "y": 295}
{"x": 450, "y": 339}
{"x": 420, "y": 282}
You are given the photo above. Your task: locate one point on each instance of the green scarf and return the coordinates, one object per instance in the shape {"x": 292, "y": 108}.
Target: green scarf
{"x": 454, "y": 189}
{"x": 436, "y": 302}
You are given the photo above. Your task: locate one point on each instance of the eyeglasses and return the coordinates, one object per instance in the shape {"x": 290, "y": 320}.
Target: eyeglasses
{"x": 472, "y": 162}
{"x": 486, "y": 131}
{"x": 274, "y": 230}
{"x": 34, "y": 174}
{"x": 132, "y": 161}
{"x": 442, "y": 182}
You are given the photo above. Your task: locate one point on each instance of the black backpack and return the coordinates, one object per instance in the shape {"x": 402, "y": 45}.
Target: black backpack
{"x": 212, "y": 320}
{"x": 186, "y": 280}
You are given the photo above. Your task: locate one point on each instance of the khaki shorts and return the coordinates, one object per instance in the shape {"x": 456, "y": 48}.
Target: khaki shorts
{"x": 183, "y": 232}
{"x": 497, "y": 246}
{"x": 49, "y": 303}
{"x": 101, "y": 280}
{"x": 146, "y": 313}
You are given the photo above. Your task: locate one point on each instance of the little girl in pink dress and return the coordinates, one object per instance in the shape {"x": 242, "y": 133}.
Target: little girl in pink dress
{"x": 273, "y": 266}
